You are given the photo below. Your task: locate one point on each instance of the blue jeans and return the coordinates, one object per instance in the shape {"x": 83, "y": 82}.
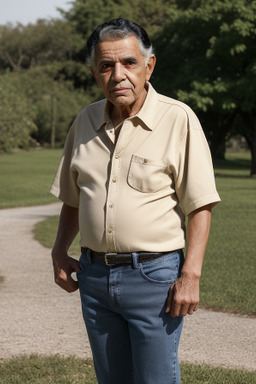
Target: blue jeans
{"x": 133, "y": 340}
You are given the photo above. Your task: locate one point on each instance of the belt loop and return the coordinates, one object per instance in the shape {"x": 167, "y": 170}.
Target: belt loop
{"x": 88, "y": 256}
{"x": 135, "y": 264}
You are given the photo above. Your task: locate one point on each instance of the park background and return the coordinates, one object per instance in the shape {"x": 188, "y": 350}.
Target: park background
{"x": 206, "y": 57}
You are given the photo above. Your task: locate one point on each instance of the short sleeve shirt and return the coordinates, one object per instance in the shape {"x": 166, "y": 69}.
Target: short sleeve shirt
{"x": 134, "y": 195}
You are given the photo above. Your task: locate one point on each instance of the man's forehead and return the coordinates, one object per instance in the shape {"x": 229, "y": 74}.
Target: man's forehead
{"x": 126, "y": 47}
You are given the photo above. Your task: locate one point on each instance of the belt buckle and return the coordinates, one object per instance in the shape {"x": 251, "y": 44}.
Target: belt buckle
{"x": 106, "y": 258}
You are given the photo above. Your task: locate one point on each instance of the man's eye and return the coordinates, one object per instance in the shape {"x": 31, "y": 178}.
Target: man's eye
{"x": 105, "y": 67}
{"x": 130, "y": 62}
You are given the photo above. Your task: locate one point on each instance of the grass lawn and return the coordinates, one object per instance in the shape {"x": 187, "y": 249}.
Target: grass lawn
{"x": 26, "y": 178}
{"x": 57, "y": 370}
{"x": 228, "y": 281}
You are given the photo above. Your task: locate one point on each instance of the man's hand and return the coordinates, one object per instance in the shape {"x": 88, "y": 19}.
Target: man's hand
{"x": 64, "y": 266}
{"x": 183, "y": 296}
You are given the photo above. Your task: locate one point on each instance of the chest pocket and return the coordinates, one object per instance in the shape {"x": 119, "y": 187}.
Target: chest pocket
{"x": 146, "y": 175}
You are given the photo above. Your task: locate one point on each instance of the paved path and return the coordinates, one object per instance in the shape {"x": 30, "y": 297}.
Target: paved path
{"x": 36, "y": 316}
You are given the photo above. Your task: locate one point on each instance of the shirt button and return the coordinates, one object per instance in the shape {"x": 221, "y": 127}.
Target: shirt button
{"x": 116, "y": 156}
{"x": 114, "y": 180}
{"x": 109, "y": 230}
{"x": 110, "y": 205}
{"x": 145, "y": 161}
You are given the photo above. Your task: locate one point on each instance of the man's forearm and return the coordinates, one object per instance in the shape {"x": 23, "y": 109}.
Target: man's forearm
{"x": 67, "y": 230}
{"x": 197, "y": 237}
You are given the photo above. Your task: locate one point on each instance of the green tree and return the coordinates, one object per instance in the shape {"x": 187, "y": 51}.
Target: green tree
{"x": 37, "y": 44}
{"x": 207, "y": 54}
{"x": 37, "y": 109}
{"x": 47, "y": 43}
{"x": 17, "y": 115}
{"x": 56, "y": 103}
{"x": 86, "y": 15}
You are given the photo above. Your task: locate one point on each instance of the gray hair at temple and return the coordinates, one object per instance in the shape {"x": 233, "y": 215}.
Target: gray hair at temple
{"x": 119, "y": 29}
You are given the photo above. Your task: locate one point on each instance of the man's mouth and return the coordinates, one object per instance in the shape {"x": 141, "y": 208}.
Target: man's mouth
{"x": 120, "y": 91}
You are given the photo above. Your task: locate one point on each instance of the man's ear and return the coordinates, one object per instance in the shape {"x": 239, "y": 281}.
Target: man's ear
{"x": 93, "y": 72}
{"x": 150, "y": 67}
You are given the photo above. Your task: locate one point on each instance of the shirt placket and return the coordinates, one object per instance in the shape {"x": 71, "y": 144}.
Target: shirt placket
{"x": 113, "y": 187}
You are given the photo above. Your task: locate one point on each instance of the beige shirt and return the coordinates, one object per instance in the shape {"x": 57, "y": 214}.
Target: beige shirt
{"x": 133, "y": 196}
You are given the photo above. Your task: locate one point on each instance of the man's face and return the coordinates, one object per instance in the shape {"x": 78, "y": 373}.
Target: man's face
{"x": 121, "y": 72}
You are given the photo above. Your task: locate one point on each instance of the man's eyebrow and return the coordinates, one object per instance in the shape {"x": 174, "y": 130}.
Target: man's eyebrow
{"x": 130, "y": 58}
{"x": 102, "y": 61}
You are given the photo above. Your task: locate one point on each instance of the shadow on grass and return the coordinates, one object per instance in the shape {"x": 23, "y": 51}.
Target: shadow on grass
{"x": 234, "y": 163}
{"x": 239, "y": 165}
{"x": 228, "y": 176}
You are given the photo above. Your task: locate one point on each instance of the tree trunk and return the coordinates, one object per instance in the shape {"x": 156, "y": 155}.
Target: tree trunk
{"x": 53, "y": 127}
{"x": 218, "y": 151}
{"x": 253, "y": 150}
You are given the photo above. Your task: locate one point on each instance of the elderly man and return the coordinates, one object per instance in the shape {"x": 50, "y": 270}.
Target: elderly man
{"x": 134, "y": 166}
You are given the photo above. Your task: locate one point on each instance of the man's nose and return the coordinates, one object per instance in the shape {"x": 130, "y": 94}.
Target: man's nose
{"x": 118, "y": 72}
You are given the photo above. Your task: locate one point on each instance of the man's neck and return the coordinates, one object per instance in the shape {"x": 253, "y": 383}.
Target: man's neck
{"x": 119, "y": 113}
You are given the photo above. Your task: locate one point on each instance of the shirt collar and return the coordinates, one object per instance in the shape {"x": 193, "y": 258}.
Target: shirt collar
{"x": 146, "y": 114}
{"x": 103, "y": 115}
{"x": 148, "y": 111}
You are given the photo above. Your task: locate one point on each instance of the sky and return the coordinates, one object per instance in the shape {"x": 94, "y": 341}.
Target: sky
{"x": 28, "y": 11}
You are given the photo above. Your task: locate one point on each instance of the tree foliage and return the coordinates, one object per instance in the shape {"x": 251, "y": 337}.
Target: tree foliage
{"x": 43, "y": 83}
{"x": 208, "y": 55}
{"x": 16, "y": 115}
{"x": 86, "y": 15}
{"x": 39, "y": 44}
{"x": 36, "y": 109}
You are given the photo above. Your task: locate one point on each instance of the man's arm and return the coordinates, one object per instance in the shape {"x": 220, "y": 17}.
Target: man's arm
{"x": 64, "y": 265}
{"x": 183, "y": 296}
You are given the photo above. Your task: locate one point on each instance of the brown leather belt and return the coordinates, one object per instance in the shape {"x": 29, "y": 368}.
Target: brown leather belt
{"x": 122, "y": 258}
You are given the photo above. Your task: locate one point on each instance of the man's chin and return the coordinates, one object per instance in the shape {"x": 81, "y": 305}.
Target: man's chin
{"x": 121, "y": 100}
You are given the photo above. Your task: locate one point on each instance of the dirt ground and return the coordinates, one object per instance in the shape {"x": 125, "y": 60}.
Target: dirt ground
{"x": 38, "y": 317}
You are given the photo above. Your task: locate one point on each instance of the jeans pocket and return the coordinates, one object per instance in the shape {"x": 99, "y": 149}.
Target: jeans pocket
{"x": 164, "y": 270}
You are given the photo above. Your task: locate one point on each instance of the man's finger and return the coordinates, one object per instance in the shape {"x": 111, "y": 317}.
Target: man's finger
{"x": 191, "y": 309}
{"x": 69, "y": 284}
{"x": 169, "y": 300}
{"x": 72, "y": 285}
{"x": 184, "y": 310}
{"x": 176, "y": 308}
{"x": 75, "y": 266}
